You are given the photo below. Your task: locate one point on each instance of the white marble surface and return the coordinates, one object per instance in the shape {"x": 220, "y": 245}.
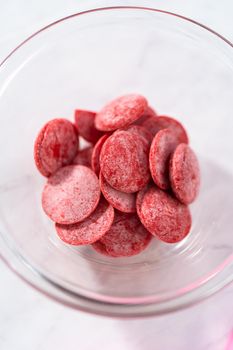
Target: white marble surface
{"x": 29, "y": 321}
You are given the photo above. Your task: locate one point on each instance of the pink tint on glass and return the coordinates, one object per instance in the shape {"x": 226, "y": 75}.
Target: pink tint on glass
{"x": 230, "y": 342}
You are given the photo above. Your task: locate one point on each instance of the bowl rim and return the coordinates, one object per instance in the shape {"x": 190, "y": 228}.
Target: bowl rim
{"x": 89, "y": 303}
{"x": 107, "y": 8}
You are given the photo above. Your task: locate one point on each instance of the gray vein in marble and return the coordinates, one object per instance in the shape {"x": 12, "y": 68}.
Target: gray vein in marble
{"x": 48, "y": 333}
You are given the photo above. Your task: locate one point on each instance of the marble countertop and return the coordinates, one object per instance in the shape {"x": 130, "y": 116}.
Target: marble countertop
{"x": 30, "y": 321}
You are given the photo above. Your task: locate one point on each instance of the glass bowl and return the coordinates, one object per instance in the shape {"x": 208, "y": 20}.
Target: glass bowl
{"x": 82, "y": 61}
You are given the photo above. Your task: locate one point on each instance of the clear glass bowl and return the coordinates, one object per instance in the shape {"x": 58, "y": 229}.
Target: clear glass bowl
{"x": 84, "y": 60}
